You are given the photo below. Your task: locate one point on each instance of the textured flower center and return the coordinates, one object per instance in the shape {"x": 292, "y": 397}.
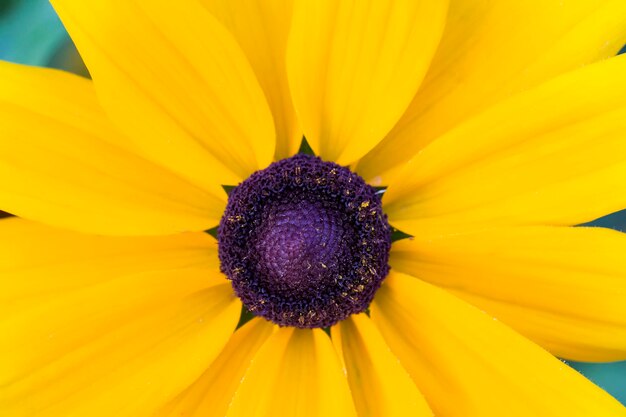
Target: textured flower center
{"x": 304, "y": 242}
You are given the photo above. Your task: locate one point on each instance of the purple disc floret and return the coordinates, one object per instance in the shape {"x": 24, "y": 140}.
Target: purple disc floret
{"x": 304, "y": 242}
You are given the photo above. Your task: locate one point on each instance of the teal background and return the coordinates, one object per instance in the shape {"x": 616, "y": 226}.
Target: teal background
{"x": 31, "y": 33}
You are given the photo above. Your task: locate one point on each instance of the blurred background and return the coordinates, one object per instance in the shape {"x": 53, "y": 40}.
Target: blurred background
{"x": 31, "y": 33}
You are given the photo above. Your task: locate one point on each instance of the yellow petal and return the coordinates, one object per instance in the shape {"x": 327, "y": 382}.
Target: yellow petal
{"x": 176, "y": 81}
{"x": 261, "y": 28}
{"x": 563, "y": 287}
{"x": 62, "y": 163}
{"x": 490, "y": 50}
{"x": 38, "y": 262}
{"x": 99, "y": 351}
{"x": 296, "y": 373}
{"x": 379, "y": 384}
{"x": 123, "y": 342}
{"x": 553, "y": 155}
{"x": 354, "y": 67}
{"x": 211, "y": 394}
{"x": 469, "y": 365}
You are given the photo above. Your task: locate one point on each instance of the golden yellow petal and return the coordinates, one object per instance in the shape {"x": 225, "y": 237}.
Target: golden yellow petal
{"x": 211, "y": 394}
{"x": 261, "y": 28}
{"x": 553, "y": 155}
{"x": 63, "y": 163}
{"x": 379, "y": 384}
{"x": 469, "y": 365}
{"x": 354, "y": 67}
{"x": 38, "y": 262}
{"x": 59, "y": 350}
{"x": 296, "y": 373}
{"x": 104, "y": 326}
{"x": 490, "y": 50}
{"x": 174, "y": 79}
{"x": 565, "y": 288}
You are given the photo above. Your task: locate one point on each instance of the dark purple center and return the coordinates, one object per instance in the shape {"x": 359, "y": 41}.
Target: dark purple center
{"x": 304, "y": 242}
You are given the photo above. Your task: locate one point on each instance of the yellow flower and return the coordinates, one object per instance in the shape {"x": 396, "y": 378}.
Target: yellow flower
{"x": 484, "y": 119}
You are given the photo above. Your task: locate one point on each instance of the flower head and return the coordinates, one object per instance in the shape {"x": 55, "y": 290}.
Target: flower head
{"x": 491, "y": 127}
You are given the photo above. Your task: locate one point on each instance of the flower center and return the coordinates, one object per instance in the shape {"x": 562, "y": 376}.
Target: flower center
{"x": 304, "y": 242}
